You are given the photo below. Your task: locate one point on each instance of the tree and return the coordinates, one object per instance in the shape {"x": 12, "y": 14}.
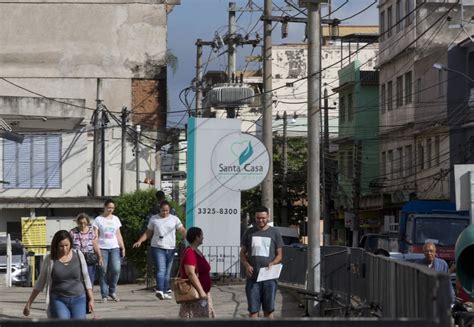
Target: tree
{"x": 134, "y": 210}
{"x": 296, "y": 182}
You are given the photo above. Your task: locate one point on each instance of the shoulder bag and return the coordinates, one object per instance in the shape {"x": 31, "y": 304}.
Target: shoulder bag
{"x": 183, "y": 289}
{"x": 88, "y": 311}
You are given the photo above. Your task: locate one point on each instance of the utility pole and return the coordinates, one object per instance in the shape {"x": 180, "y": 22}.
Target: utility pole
{"x": 267, "y": 187}
{"x": 284, "y": 184}
{"x": 198, "y": 77}
{"x": 103, "y": 124}
{"x": 199, "y": 44}
{"x": 326, "y": 174}
{"x": 137, "y": 155}
{"x": 356, "y": 192}
{"x": 231, "y": 44}
{"x": 124, "y": 117}
{"x": 314, "y": 95}
{"x": 96, "y": 147}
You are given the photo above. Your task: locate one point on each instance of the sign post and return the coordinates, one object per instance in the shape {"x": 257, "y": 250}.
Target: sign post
{"x": 221, "y": 162}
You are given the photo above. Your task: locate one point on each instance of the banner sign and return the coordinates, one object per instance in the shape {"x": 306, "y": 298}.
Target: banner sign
{"x": 240, "y": 161}
{"x": 221, "y": 161}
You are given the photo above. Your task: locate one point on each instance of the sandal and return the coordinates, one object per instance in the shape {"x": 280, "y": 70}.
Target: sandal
{"x": 114, "y": 297}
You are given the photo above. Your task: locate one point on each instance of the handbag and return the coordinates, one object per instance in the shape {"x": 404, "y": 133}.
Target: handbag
{"x": 88, "y": 311}
{"x": 91, "y": 258}
{"x": 183, "y": 289}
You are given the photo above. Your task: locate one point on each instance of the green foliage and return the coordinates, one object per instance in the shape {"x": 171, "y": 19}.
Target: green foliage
{"x": 133, "y": 209}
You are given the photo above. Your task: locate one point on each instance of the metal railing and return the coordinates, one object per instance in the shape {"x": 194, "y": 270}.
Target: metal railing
{"x": 387, "y": 288}
{"x": 354, "y": 282}
{"x": 224, "y": 262}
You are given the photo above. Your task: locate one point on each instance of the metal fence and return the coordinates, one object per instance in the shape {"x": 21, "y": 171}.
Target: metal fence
{"x": 355, "y": 282}
{"x": 294, "y": 265}
{"x": 385, "y": 287}
{"x": 224, "y": 262}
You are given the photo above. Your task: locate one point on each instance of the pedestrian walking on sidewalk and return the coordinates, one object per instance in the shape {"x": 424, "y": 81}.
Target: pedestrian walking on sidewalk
{"x": 84, "y": 238}
{"x": 195, "y": 267}
{"x": 261, "y": 247}
{"x": 162, "y": 231}
{"x": 64, "y": 274}
{"x": 112, "y": 249}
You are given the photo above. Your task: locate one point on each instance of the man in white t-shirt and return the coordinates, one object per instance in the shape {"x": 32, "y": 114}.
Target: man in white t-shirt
{"x": 162, "y": 231}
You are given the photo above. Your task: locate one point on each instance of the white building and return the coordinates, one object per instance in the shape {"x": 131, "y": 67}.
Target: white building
{"x": 56, "y": 60}
{"x": 289, "y": 71}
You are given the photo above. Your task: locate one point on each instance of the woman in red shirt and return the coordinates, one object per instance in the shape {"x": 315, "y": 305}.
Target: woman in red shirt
{"x": 196, "y": 268}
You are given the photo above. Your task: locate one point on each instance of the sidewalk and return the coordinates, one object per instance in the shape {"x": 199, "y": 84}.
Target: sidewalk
{"x": 138, "y": 302}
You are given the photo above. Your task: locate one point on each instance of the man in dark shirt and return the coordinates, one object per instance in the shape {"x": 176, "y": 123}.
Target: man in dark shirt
{"x": 261, "y": 247}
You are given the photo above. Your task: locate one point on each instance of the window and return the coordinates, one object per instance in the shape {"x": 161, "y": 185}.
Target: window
{"x": 382, "y": 25}
{"x": 418, "y": 90}
{"x": 408, "y": 98}
{"x": 408, "y": 12}
{"x": 421, "y": 156}
{"x": 390, "y": 164}
{"x": 36, "y": 163}
{"x": 437, "y": 150}
{"x": 400, "y": 162}
{"x": 389, "y": 21}
{"x": 389, "y": 96}
{"x": 384, "y": 164}
{"x": 383, "y": 97}
{"x": 342, "y": 109}
{"x": 350, "y": 107}
{"x": 409, "y": 160}
{"x": 428, "y": 153}
{"x": 399, "y": 91}
{"x": 398, "y": 15}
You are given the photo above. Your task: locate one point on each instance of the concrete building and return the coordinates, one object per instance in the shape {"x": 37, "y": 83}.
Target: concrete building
{"x": 358, "y": 148}
{"x": 414, "y": 132}
{"x": 59, "y": 59}
{"x": 460, "y": 94}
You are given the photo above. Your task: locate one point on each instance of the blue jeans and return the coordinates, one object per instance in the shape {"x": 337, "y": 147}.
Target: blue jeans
{"x": 91, "y": 270}
{"x": 109, "y": 272}
{"x": 61, "y": 307}
{"x": 261, "y": 294}
{"x": 163, "y": 259}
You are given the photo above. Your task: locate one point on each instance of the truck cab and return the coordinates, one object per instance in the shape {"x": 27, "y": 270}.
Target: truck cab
{"x": 431, "y": 221}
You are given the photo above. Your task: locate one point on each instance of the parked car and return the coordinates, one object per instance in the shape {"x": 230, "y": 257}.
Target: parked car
{"x": 372, "y": 242}
{"x": 20, "y": 267}
{"x": 289, "y": 235}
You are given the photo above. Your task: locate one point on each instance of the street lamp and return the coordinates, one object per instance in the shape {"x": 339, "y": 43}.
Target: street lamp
{"x": 443, "y": 67}
{"x": 470, "y": 102}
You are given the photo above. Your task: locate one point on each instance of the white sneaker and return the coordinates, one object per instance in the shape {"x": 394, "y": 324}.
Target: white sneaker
{"x": 167, "y": 296}
{"x": 160, "y": 295}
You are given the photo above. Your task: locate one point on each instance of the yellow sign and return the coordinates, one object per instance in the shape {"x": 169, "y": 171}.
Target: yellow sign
{"x": 33, "y": 232}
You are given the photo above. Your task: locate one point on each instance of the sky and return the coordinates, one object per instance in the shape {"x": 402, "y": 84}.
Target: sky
{"x": 194, "y": 19}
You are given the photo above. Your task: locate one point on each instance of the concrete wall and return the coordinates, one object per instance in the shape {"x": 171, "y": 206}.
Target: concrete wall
{"x": 82, "y": 40}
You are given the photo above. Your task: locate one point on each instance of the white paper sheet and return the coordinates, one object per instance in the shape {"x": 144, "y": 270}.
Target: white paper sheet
{"x": 266, "y": 273}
